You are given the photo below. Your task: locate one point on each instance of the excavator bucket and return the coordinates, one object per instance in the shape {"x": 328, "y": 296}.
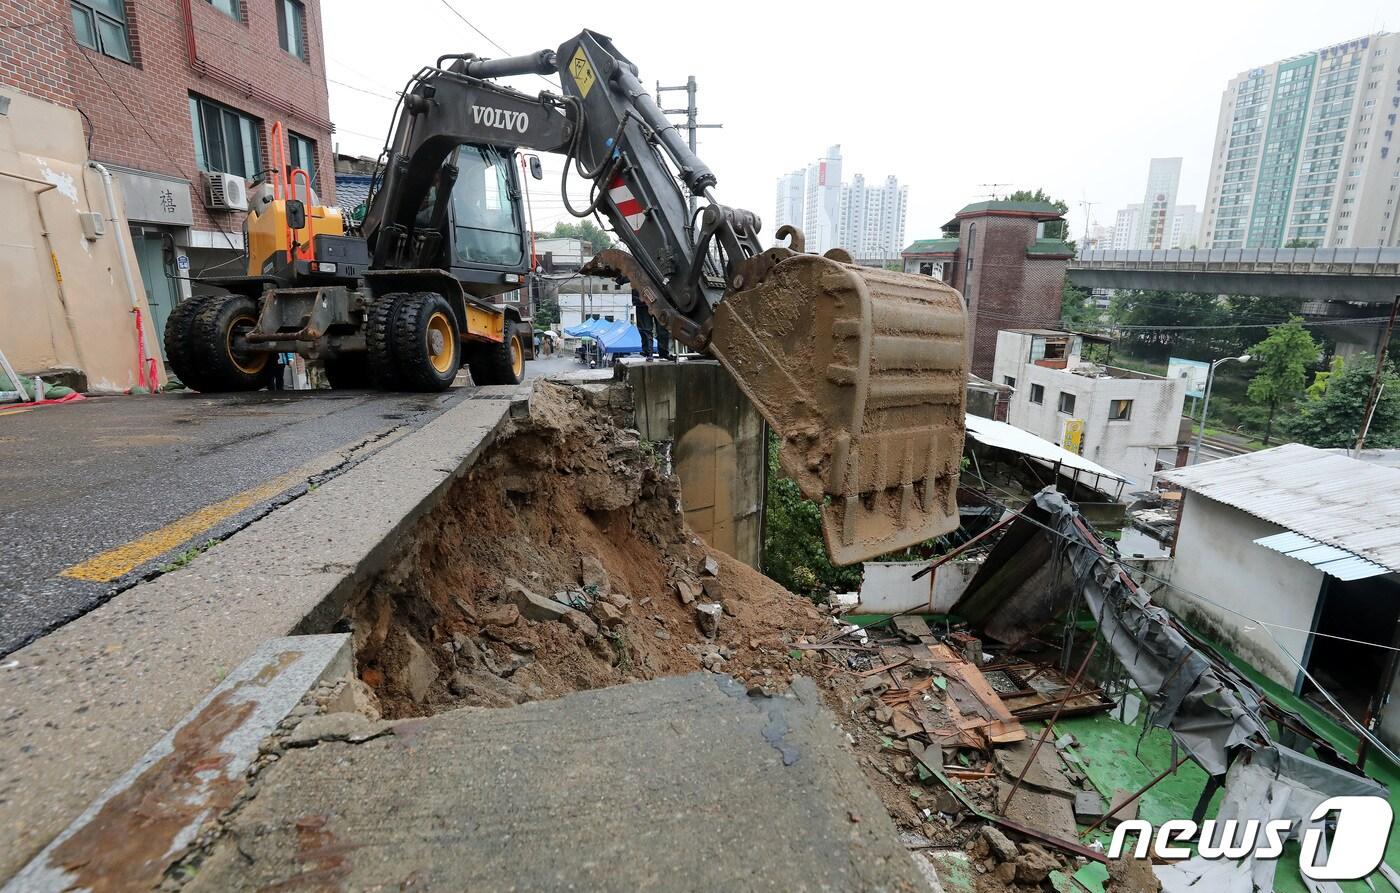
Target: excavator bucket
{"x": 861, "y": 372}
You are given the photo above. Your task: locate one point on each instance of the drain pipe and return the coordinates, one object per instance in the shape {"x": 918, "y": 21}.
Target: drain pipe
{"x": 117, "y": 234}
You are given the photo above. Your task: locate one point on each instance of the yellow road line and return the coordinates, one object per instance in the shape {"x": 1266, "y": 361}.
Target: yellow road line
{"x": 115, "y": 562}
{"x": 16, "y": 411}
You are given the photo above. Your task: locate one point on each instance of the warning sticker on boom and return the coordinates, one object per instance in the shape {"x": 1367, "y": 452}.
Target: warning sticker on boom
{"x": 582, "y": 72}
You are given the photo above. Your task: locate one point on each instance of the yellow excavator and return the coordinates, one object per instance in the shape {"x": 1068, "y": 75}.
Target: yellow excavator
{"x": 860, "y": 371}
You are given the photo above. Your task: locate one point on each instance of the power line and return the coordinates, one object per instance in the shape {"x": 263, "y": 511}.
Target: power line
{"x": 466, "y": 21}
{"x": 374, "y": 93}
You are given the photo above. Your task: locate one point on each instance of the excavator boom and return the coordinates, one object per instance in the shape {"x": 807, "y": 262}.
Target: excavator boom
{"x": 860, "y": 371}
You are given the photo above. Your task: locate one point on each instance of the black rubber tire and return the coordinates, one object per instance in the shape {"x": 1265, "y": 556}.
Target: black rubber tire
{"x": 178, "y": 336}
{"x": 495, "y": 363}
{"x": 212, "y": 365}
{"x": 379, "y": 340}
{"x": 349, "y": 373}
{"x": 411, "y": 346}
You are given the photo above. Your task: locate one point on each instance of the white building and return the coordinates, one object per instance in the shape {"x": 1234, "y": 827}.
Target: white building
{"x": 1158, "y": 212}
{"x": 872, "y": 218}
{"x": 821, "y": 218}
{"x": 1287, "y": 543}
{"x": 1305, "y": 151}
{"x": 1115, "y": 417}
{"x": 791, "y": 201}
{"x": 1125, "y": 228}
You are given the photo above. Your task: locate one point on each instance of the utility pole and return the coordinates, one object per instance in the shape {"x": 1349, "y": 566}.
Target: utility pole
{"x": 1375, "y": 394}
{"x": 1088, "y": 207}
{"x": 993, "y": 187}
{"x": 691, "y": 125}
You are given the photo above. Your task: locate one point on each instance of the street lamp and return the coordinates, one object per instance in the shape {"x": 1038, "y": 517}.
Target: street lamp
{"x": 1205, "y": 404}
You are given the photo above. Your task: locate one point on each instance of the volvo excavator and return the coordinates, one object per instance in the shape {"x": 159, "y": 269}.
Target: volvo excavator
{"x": 860, "y": 371}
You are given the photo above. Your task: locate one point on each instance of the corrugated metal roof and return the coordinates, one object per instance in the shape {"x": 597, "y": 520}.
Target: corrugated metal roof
{"x": 1329, "y": 497}
{"x": 1008, "y": 437}
{"x": 1329, "y": 559}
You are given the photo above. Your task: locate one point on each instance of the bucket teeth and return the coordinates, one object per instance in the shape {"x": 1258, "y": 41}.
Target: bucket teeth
{"x": 862, "y": 374}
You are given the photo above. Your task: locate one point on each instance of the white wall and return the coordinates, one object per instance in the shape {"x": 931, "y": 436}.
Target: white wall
{"x": 1127, "y": 447}
{"x": 886, "y": 588}
{"x": 1217, "y": 557}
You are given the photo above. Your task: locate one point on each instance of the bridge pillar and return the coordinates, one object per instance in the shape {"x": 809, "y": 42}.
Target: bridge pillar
{"x": 1352, "y": 341}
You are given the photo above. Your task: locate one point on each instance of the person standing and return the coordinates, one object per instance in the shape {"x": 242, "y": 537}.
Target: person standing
{"x": 646, "y": 325}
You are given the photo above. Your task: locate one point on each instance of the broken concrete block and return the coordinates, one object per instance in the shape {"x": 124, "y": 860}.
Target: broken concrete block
{"x": 505, "y": 615}
{"x": 355, "y": 697}
{"x": 1127, "y": 813}
{"x": 687, "y": 591}
{"x": 619, "y": 601}
{"x": 581, "y": 622}
{"x": 709, "y": 566}
{"x": 1088, "y": 806}
{"x": 607, "y": 614}
{"x": 712, "y": 588}
{"x": 998, "y": 844}
{"x": 419, "y": 670}
{"x": 1035, "y": 865}
{"x": 591, "y": 573}
{"x": 534, "y": 606}
{"x": 350, "y": 727}
{"x": 712, "y": 661}
{"x": 486, "y": 690}
{"x": 707, "y": 618}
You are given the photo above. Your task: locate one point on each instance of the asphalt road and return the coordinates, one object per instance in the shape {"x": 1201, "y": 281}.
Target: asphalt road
{"x": 97, "y": 495}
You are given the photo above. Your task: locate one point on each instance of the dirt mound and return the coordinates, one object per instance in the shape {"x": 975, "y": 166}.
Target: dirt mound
{"x": 560, "y": 563}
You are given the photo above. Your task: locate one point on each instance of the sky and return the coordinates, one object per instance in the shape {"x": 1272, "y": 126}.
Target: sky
{"x": 1074, "y": 98}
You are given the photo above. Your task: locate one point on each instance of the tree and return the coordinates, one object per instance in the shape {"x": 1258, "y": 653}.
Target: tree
{"x": 1334, "y": 419}
{"x": 1077, "y": 308}
{"x": 1283, "y": 359}
{"x": 586, "y": 230}
{"x": 1318, "y": 388}
{"x": 794, "y": 553}
{"x": 1057, "y": 229}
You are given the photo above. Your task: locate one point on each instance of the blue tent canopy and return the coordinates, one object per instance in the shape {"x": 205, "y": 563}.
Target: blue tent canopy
{"x": 587, "y": 327}
{"x": 620, "y": 337}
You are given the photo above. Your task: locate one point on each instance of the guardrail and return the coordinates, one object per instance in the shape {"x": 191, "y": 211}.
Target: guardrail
{"x": 1379, "y": 261}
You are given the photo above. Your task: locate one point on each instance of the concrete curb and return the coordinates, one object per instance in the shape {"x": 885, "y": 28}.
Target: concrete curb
{"x": 86, "y": 701}
{"x": 142, "y": 824}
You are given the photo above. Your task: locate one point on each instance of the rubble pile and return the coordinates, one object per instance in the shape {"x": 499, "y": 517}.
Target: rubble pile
{"x": 563, "y": 563}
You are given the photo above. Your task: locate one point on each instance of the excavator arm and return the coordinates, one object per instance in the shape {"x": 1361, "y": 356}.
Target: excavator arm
{"x": 860, "y": 371}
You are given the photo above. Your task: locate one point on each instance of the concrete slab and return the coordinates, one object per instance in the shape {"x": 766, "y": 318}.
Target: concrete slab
{"x": 683, "y": 783}
{"x": 86, "y": 701}
{"x": 142, "y": 824}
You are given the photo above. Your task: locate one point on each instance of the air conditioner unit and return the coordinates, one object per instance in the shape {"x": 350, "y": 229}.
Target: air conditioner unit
{"x": 225, "y": 192}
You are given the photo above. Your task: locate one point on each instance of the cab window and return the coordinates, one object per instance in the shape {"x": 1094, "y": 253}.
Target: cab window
{"x": 484, "y": 217}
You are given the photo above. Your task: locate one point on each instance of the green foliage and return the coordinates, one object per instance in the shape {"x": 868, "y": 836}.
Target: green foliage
{"x": 1077, "y": 308}
{"x": 1334, "y": 419}
{"x": 1054, "y": 229}
{"x": 586, "y": 230}
{"x": 793, "y": 551}
{"x": 1282, "y": 360}
{"x": 1318, "y": 388}
{"x": 1148, "y": 310}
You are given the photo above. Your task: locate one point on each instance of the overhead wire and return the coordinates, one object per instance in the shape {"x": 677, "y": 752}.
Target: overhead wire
{"x": 487, "y": 38}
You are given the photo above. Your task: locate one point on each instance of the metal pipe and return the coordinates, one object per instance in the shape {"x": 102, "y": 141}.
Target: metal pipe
{"x": 1143, "y": 790}
{"x": 1045, "y": 732}
{"x": 542, "y": 62}
{"x": 117, "y": 235}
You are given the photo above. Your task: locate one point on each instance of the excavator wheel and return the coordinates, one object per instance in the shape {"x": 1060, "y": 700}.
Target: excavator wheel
{"x": 179, "y": 336}
{"x": 862, "y": 373}
{"x": 502, "y": 363}
{"x": 380, "y": 318}
{"x": 205, "y": 358}
{"x": 425, "y": 348}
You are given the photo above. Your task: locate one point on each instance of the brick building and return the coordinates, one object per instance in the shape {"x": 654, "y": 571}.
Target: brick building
{"x": 169, "y": 90}
{"x": 1008, "y": 259}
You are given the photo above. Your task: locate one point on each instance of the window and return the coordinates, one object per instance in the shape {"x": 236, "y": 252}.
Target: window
{"x": 1009, "y": 380}
{"x": 101, "y": 25}
{"x": 225, "y": 139}
{"x": 301, "y": 152}
{"x": 229, "y": 8}
{"x": 1038, "y": 393}
{"x": 487, "y": 230}
{"x": 1120, "y": 410}
{"x": 1066, "y": 403}
{"x": 291, "y": 27}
